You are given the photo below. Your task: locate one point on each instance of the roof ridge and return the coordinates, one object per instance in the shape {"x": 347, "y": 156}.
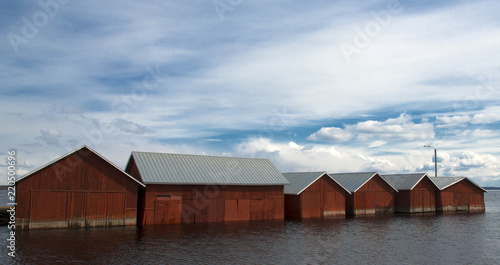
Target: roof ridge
{"x": 355, "y": 172}
{"x": 160, "y": 153}
{"x": 303, "y": 172}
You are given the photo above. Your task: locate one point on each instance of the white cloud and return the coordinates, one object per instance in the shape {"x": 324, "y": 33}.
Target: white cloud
{"x": 380, "y": 165}
{"x": 478, "y": 133}
{"x": 295, "y": 157}
{"x": 471, "y": 159}
{"x": 484, "y": 118}
{"x": 451, "y": 121}
{"x": 393, "y": 129}
{"x": 331, "y": 134}
{"x": 377, "y": 143}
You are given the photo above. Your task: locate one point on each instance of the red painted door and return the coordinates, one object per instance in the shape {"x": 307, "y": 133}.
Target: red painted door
{"x": 115, "y": 212}
{"x": 48, "y": 209}
{"x": 168, "y": 210}
{"x": 76, "y": 209}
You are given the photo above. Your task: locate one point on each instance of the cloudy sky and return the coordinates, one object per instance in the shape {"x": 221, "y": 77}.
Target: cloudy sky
{"x": 343, "y": 86}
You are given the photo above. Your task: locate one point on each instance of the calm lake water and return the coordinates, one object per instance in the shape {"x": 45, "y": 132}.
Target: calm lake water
{"x": 401, "y": 239}
{"x": 4, "y": 198}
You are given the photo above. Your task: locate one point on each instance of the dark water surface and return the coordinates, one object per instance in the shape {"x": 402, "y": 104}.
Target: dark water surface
{"x": 4, "y": 197}
{"x": 401, "y": 239}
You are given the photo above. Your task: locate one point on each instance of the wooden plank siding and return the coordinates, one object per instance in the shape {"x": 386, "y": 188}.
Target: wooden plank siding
{"x": 79, "y": 190}
{"x": 374, "y": 197}
{"x": 420, "y": 199}
{"x": 323, "y": 198}
{"x": 211, "y": 203}
{"x": 462, "y": 196}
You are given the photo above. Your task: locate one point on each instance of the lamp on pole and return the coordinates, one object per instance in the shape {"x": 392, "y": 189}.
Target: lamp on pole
{"x": 435, "y": 160}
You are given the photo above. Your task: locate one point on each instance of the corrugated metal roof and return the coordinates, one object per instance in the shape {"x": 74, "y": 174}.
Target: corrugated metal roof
{"x": 163, "y": 168}
{"x": 353, "y": 181}
{"x": 299, "y": 181}
{"x": 74, "y": 151}
{"x": 405, "y": 181}
{"x": 445, "y": 182}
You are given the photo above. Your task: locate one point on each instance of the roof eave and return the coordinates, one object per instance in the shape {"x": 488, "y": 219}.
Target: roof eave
{"x": 420, "y": 179}
{"x": 334, "y": 180}
{"x": 111, "y": 163}
{"x": 72, "y": 152}
{"x": 425, "y": 175}
{"x": 376, "y": 173}
{"x": 451, "y": 184}
{"x": 308, "y": 185}
{"x": 49, "y": 163}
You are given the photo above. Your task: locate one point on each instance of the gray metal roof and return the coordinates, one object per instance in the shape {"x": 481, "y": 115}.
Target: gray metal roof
{"x": 162, "y": 168}
{"x": 74, "y": 151}
{"x": 405, "y": 181}
{"x": 299, "y": 181}
{"x": 445, "y": 182}
{"x": 353, "y": 181}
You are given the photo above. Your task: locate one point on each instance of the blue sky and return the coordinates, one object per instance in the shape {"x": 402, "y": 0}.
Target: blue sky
{"x": 343, "y": 86}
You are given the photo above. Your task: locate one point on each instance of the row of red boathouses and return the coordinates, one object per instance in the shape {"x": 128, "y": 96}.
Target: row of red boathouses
{"x": 84, "y": 189}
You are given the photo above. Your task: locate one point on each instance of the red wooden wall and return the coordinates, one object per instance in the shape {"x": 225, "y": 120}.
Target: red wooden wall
{"x": 323, "y": 198}
{"x": 79, "y": 190}
{"x": 462, "y": 196}
{"x": 374, "y": 197}
{"x": 420, "y": 199}
{"x": 173, "y": 204}
{"x": 207, "y": 203}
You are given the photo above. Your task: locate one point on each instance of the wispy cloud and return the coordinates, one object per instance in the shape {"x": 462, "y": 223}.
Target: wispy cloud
{"x": 394, "y": 129}
{"x": 131, "y": 127}
{"x": 477, "y": 133}
{"x": 489, "y": 115}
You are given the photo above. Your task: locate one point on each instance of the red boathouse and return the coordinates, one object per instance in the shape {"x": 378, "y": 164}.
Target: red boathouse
{"x": 459, "y": 194}
{"x": 201, "y": 189}
{"x": 314, "y": 194}
{"x": 416, "y": 192}
{"x": 370, "y": 193}
{"x": 79, "y": 189}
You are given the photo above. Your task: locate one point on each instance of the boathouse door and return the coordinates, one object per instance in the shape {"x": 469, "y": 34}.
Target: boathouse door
{"x": 168, "y": 209}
